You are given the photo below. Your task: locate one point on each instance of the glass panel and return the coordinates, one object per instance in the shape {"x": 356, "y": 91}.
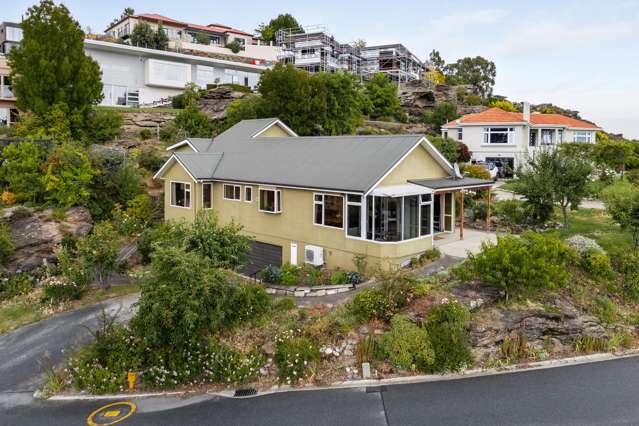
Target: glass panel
{"x": 425, "y": 220}
{"x": 248, "y": 193}
{"x": 354, "y": 198}
{"x": 238, "y": 194}
{"x": 278, "y": 201}
{"x": 179, "y": 195}
{"x": 207, "y": 195}
{"x": 411, "y": 217}
{"x": 333, "y": 211}
{"x": 318, "y": 214}
{"x": 499, "y": 137}
{"x": 229, "y": 192}
{"x": 354, "y": 220}
{"x": 4, "y": 117}
{"x": 369, "y": 217}
{"x": 388, "y": 214}
{"x": 426, "y": 198}
{"x": 267, "y": 200}
{"x": 546, "y": 136}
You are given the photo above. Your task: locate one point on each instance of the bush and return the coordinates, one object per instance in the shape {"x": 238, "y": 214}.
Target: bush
{"x": 479, "y": 210}
{"x": 229, "y": 366}
{"x": 7, "y": 248}
{"x": 270, "y": 274}
{"x": 472, "y": 100}
{"x": 604, "y": 309}
{"x": 367, "y": 350}
{"x": 430, "y": 254}
{"x": 629, "y": 267}
{"x": 73, "y": 267}
{"x": 104, "y": 125}
{"x": 407, "y": 345}
{"x": 339, "y": 277}
{"x": 234, "y": 46}
{"x": 15, "y": 285}
{"x": 583, "y": 245}
{"x": 284, "y": 304}
{"x": 514, "y": 264}
{"x": 248, "y": 302}
{"x": 476, "y": 171}
{"x": 383, "y": 302}
{"x": 354, "y": 277}
{"x": 514, "y": 212}
{"x": 8, "y": 198}
{"x": 311, "y": 275}
{"x": 447, "y": 325}
{"x": 59, "y": 289}
{"x": 145, "y": 134}
{"x": 295, "y": 357}
{"x": 597, "y": 264}
{"x": 290, "y": 275}
{"x": 150, "y": 159}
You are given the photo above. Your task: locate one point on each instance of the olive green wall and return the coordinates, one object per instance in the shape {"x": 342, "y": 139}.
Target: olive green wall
{"x": 274, "y": 131}
{"x": 419, "y": 164}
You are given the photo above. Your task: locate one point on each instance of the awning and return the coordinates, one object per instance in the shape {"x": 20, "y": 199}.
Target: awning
{"x": 400, "y": 190}
{"x": 452, "y": 183}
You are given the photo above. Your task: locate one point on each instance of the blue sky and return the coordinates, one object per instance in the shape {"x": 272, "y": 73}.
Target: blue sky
{"x": 578, "y": 54}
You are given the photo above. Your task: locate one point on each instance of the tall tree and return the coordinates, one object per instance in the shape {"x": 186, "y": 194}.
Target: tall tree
{"x": 267, "y": 32}
{"x": 478, "y": 72}
{"x": 382, "y": 94}
{"x": 438, "y": 63}
{"x": 128, "y": 11}
{"x": 143, "y": 35}
{"x": 622, "y": 203}
{"x": 50, "y": 66}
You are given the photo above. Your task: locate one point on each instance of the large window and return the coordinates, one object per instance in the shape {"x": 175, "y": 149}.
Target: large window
{"x": 232, "y": 192}
{"x": 270, "y": 200}
{"x": 582, "y": 137}
{"x": 547, "y": 136}
{"x": 180, "y": 194}
{"x": 204, "y": 75}
{"x": 460, "y": 134}
{"x": 207, "y": 195}
{"x": 354, "y": 215}
{"x": 329, "y": 210}
{"x": 167, "y": 74}
{"x": 411, "y": 217}
{"x": 398, "y": 218}
{"x": 498, "y": 135}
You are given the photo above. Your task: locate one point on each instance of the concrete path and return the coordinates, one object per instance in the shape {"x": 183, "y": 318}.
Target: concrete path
{"x": 451, "y": 245}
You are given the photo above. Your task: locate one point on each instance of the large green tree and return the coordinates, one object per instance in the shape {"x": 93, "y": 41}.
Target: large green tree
{"x": 50, "y": 66}
{"x": 478, "y": 72}
{"x": 622, "y": 203}
{"x": 267, "y": 32}
{"x": 382, "y": 94}
{"x": 614, "y": 154}
{"x": 442, "y": 114}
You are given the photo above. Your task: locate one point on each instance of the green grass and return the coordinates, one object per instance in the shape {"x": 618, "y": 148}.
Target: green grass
{"x": 130, "y": 109}
{"x": 23, "y": 310}
{"x": 596, "y": 224}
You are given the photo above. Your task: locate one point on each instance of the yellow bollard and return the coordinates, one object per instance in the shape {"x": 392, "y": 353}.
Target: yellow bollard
{"x": 130, "y": 377}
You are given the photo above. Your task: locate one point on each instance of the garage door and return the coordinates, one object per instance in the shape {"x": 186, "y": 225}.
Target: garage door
{"x": 262, "y": 254}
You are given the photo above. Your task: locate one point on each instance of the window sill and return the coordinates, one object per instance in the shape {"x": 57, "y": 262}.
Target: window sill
{"x": 330, "y": 227}
{"x": 180, "y": 207}
{"x": 269, "y": 212}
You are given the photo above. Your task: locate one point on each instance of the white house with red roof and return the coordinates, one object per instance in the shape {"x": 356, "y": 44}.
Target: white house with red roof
{"x": 506, "y": 138}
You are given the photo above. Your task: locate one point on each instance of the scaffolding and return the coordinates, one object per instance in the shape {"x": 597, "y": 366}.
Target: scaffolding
{"x": 314, "y": 49}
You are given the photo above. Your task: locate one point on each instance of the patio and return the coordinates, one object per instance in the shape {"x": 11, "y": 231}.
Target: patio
{"x": 451, "y": 245}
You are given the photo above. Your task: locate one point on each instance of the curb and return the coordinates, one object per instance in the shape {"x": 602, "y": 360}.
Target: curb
{"x": 426, "y": 378}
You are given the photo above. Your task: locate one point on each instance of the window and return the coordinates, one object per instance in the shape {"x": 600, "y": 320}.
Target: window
{"x": 498, "y": 135}
{"x": 445, "y": 135}
{"x": 204, "y": 75}
{"x": 560, "y": 136}
{"x": 329, "y": 210}
{"x": 582, "y": 137}
{"x": 411, "y": 217}
{"x": 533, "y": 137}
{"x": 232, "y": 192}
{"x": 546, "y": 136}
{"x": 354, "y": 215}
{"x": 207, "y": 195}
{"x": 167, "y": 74}
{"x": 270, "y": 200}
{"x": 181, "y": 194}
{"x": 425, "y": 206}
{"x": 248, "y": 194}
{"x": 460, "y": 134}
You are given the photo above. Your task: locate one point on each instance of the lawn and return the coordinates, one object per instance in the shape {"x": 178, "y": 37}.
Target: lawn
{"x": 26, "y": 309}
{"x": 596, "y": 224}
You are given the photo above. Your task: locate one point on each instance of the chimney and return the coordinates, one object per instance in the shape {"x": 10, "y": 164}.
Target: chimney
{"x": 526, "y": 111}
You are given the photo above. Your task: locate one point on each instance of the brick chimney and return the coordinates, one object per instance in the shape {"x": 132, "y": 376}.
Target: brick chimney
{"x": 527, "y": 111}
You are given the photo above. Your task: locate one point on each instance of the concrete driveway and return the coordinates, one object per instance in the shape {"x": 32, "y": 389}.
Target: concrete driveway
{"x": 451, "y": 245}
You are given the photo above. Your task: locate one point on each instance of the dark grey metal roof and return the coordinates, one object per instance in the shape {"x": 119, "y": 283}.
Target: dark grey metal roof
{"x": 450, "y": 182}
{"x": 200, "y": 165}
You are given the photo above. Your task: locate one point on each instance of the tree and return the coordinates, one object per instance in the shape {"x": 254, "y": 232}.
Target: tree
{"x": 202, "y": 38}
{"x": 382, "y": 94}
{"x": 268, "y": 32}
{"x": 50, "y": 66}
{"x": 438, "y": 63}
{"x": 359, "y": 43}
{"x": 143, "y": 35}
{"x": 234, "y": 46}
{"x": 478, "y": 72}
{"x": 504, "y": 104}
{"x": 128, "y": 11}
{"x": 533, "y": 183}
{"x": 442, "y": 114}
{"x": 570, "y": 181}
{"x": 341, "y": 98}
{"x": 615, "y": 154}
{"x": 100, "y": 251}
{"x": 22, "y": 170}
{"x": 448, "y": 147}
{"x": 68, "y": 175}
{"x": 622, "y": 204}
{"x": 160, "y": 39}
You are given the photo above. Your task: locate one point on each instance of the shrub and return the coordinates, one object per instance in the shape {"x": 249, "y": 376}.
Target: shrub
{"x": 384, "y": 302}
{"x": 476, "y": 171}
{"x": 513, "y": 264}
{"x": 284, "y": 304}
{"x": 8, "y": 198}
{"x": 353, "y": 277}
{"x": 59, "y": 289}
{"x": 605, "y": 309}
{"x": 407, "y": 345}
{"x": 514, "y": 212}
{"x": 100, "y": 251}
{"x": 7, "y": 248}
{"x": 472, "y": 100}
{"x": 234, "y": 46}
{"x": 367, "y": 350}
{"x": 514, "y": 349}
{"x": 583, "y": 245}
{"x": 339, "y": 277}
{"x": 150, "y": 159}
{"x": 295, "y": 357}
{"x": 145, "y": 134}
{"x": 311, "y": 275}
{"x": 629, "y": 267}
{"x": 15, "y": 285}
{"x": 248, "y": 302}
{"x": 223, "y": 364}
{"x": 73, "y": 267}
{"x": 480, "y": 210}
{"x": 597, "y": 264}
{"x": 589, "y": 344}
{"x": 290, "y": 275}
{"x": 430, "y": 254}
{"x": 270, "y": 274}
{"x": 104, "y": 125}
{"x": 361, "y": 264}
{"x": 447, "y": 325}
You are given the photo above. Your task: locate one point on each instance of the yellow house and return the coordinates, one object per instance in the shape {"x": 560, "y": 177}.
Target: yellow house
{"x": 319, "y": 200}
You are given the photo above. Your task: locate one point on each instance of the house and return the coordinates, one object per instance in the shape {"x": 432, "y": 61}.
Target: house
{"x": 8, "y": 109}
{"x": 133, "y": 76}
{"x": 315, "y": 50}
{"x": 321, "y": 200}
{"x": 505, "y": 137}
{"x": 10, "y": 36}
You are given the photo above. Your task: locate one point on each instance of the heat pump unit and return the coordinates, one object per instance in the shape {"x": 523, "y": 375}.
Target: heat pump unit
{"x": 314, "y": 255}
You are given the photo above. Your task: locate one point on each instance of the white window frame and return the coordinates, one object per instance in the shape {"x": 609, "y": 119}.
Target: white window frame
{"x": 510, "y": 136}
{"x": 432, "y": 214}
{"x": 582, "y": 136}
{"x": 362, "y": 223}
{"x": 248, "y": 188}
{"x": 203, "y": 206}
{"x": 460, "y": 134}
{"x": 239, "y": 189}
{"x": 187, "y": 190}
{"x": 560, "y": 136}
{"x": 278, "y": 200}
{"x": 315, "y": 202}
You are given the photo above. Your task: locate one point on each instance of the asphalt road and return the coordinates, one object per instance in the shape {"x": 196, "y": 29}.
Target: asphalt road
{"x": 603, "y": 393}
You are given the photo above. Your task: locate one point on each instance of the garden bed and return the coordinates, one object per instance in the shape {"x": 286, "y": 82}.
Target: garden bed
{"x": 323, "y": 290}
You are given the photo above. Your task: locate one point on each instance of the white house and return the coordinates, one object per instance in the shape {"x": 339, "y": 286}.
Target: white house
{"x": 504, "y": 137}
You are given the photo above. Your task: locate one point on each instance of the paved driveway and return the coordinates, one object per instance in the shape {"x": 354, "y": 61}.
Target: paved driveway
{"x": 450, "y": 244}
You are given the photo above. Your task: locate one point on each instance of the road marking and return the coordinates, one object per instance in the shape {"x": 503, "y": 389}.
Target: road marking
{"x": 111, "y": 414}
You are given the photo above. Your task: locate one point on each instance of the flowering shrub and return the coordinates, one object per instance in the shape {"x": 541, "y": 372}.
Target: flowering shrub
{"x": 8, "y": 198}
{"x": 60, "y": 289}
{"x": 15, "y": 285}
{"x": 583, "y": 245}
{"x": 295, "y": 357}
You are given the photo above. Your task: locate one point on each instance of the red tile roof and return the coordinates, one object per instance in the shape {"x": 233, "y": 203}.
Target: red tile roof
{"x": 498, "y": 115}
{"x": 155, "y": 17}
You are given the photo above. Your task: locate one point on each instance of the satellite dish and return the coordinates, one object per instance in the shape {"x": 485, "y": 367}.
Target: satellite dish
{"x": 458, "y": 174}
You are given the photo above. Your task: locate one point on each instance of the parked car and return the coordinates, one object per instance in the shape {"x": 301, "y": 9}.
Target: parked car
{"x": 492, "y": 169}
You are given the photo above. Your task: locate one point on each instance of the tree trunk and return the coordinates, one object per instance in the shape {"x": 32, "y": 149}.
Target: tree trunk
{"x": 564, "y": 211}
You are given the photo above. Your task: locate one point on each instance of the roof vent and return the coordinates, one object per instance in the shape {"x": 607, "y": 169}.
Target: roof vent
{"x": 526, "y": 111}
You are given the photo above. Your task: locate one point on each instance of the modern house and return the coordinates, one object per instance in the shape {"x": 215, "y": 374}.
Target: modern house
{"x": 505, "y": 137}
{"x": 133, "y": 76}
{"x": 10, "y": 36}
{"x": 320, "y": 200}
{"x": 313, "y": 49}
{"x": 8, "y": 110}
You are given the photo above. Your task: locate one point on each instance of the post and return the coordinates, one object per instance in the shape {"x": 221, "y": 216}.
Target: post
{"x": 461, "y": 216}
{"x": 488, "y": 209}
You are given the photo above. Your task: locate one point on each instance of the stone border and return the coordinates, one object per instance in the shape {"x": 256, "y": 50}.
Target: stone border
{"x": 304, "y": 291}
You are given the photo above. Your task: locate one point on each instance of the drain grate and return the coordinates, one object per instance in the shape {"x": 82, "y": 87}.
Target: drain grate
{"x": 375, "y": 389}
{"x": 245, "y": 392}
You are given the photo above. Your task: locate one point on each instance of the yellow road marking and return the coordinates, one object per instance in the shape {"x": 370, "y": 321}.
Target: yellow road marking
{"x": 111, "y": 413}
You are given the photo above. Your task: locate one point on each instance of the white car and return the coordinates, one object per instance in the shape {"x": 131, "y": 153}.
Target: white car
{"x": 492, "y": 169}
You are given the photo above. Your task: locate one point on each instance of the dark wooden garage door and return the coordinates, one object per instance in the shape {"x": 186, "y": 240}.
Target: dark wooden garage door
{"x": 262, "y": 254}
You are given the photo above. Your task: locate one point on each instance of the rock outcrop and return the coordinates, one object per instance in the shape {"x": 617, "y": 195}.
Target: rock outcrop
{"x": 421, "y": 95}
{"x": 214, "y": 102}
{"x": 36, "y": 233}
{"x": 134, "y": 122}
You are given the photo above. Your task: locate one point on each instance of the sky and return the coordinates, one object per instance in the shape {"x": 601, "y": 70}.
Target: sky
{"x": 577, "y": 54}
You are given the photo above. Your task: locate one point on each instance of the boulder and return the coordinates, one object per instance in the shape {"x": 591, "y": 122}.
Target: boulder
{"x": 421, "y": 95}
{"x": 36, "y": 233}
{"x": 214, "y": 102}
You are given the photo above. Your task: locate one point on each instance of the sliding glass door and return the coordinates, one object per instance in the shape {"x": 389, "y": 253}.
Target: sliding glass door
{"x": 398, "y": 218}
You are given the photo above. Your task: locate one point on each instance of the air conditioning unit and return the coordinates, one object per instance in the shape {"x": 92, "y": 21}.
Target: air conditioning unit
{"x": 314, "y": 255}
